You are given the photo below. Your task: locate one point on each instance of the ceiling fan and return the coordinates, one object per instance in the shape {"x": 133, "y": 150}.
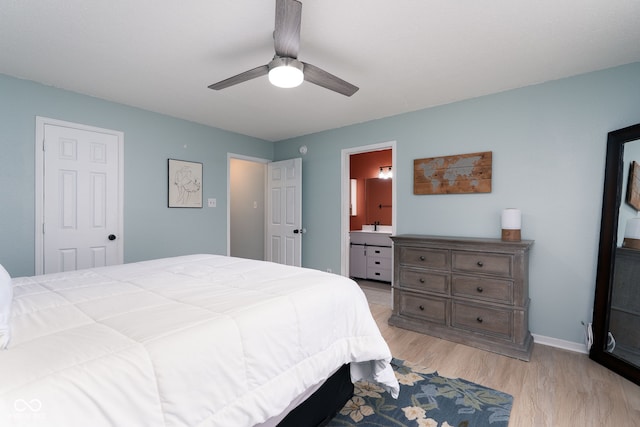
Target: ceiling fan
{"x": 285, "y": 70}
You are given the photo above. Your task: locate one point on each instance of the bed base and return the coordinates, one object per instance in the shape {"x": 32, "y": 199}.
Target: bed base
{"x": 324, "y": 404}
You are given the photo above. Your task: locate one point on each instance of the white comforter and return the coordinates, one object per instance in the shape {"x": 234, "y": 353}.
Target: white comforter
{"x": 200, "y": 340}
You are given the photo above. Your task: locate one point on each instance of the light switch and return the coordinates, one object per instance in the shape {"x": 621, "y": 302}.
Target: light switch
{"x": 211, "y": 203}
{"x": 255, "y": 204}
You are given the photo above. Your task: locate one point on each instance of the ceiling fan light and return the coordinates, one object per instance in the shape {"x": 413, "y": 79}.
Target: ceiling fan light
{"x": 285, "y": 72}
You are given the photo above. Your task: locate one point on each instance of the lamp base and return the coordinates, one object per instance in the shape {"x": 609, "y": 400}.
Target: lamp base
{"x": 510, "y": 235}
{"x": 630, "y": 243}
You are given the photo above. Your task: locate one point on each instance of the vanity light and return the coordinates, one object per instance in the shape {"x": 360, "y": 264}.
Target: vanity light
{"x": 385, "y": 174}
{"x": 286, "y": 72}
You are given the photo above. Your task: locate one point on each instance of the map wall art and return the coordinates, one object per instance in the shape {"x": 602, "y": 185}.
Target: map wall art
{"x": 462, "y": 173}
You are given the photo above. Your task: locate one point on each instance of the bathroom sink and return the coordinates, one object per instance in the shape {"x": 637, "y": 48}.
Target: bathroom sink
{"x": 371, "y": 238}
{"x": 379, "y": 229}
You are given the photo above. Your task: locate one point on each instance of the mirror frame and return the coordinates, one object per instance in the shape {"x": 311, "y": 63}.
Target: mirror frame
{"x": 611, "y": 202}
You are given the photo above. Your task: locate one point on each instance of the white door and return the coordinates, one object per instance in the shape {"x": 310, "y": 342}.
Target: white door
{"x": 81, "y": 197}
{"x": 284, "y": 212}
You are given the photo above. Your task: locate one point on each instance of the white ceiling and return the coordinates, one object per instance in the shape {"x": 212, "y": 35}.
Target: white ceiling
{"x": 404, "y": 55}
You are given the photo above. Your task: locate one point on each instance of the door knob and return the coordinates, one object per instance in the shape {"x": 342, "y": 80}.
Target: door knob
{"x": 112, "y": 237}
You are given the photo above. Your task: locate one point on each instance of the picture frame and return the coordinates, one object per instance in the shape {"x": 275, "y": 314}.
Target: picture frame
{"x": 184, "y": 184}
{"x": 633, "y": 186}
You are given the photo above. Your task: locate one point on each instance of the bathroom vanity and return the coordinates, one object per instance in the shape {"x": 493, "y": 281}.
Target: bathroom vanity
{"x": 370, "y": 255}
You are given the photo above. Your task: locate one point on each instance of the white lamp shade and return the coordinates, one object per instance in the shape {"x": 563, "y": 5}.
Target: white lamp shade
{"x": 511, "y": 219}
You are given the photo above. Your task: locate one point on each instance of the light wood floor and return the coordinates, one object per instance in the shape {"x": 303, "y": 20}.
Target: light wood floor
{"x": 556, "y": 388}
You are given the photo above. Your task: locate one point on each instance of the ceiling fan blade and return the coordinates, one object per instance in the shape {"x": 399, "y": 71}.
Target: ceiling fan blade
{"x": 242, "y": 77}
{"x": 320, "y": 77}
{"x": 286, "y": 36}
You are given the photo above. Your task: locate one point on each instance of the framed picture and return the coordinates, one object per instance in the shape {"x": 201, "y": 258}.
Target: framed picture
{"x": 633, "y": 186}
{"x": 185, "y": 184}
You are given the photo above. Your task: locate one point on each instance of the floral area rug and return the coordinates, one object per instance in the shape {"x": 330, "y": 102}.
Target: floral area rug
{"x": 426, "y": 400}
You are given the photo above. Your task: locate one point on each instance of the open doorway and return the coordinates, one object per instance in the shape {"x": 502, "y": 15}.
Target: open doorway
{"x": 264, "y": 209}
{"x": 350, "y": 221}
{"x": 371, "y": 179}
{"x": 246, "y": 205}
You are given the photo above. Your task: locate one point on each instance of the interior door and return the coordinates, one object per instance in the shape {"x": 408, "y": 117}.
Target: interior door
{"x": 81, "y": 189}
{"x": 284, "y": 212}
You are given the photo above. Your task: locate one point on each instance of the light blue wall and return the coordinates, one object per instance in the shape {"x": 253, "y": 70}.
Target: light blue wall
{"x": 548, "y": 143}
{"x": 151, "y": 230}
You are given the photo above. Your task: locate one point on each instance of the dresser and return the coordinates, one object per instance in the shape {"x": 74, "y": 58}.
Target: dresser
{"x": 469, "y": 290}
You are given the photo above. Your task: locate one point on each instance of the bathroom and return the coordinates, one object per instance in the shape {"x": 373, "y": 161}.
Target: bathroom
{"x": 371, "y": 177}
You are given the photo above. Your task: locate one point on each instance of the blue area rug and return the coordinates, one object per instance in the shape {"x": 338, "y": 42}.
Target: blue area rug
{"x": 426, "y": 400}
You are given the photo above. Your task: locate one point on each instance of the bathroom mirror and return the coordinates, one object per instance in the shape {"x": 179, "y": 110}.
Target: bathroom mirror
{"x": 616, "y": 313}
{"x": 378, "y": 201}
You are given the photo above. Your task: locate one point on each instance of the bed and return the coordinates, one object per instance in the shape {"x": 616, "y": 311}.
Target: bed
{"x": 198, "y": 340}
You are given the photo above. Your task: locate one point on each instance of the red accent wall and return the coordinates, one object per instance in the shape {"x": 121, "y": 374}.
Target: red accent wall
{"x": 363, "y": 166}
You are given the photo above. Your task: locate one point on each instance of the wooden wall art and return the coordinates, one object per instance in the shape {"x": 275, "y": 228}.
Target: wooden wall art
{"x": 462, "y": 173}
{"x": 633, "y": 186}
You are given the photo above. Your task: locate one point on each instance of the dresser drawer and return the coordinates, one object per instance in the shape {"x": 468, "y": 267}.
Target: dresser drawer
{"x": 490, "y": 321}
{"x": 480, "y": 288}
{"x": 426, "y": 258}
{"x": 377, "y": 262}
{"x": 478, "y": 262}
{"x": 430, "y": 309}
{"x": 424, "y": 280}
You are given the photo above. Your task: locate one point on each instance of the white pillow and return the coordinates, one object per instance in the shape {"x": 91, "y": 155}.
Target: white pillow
{"x": 6, "y": 296}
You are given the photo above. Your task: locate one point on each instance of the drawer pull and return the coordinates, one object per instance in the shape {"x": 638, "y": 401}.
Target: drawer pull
{"x": 377, "y": 262}
{"x": 377, "y": 274}
{"x": 421, "y": 280}
{"x": 480, "y": 264}
{"x": 479, "y": 289}
{"x": 422, "y": 258}
{"x": 421, "y": 307}
{"x": 479, "y": 319}
{"x": 377, "y": 251}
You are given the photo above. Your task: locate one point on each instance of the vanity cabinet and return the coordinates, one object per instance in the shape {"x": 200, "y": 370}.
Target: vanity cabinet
{"x": 468, "y": 290}
{"x": 358, "y": 261}
{"x": 378, "y": 263}
{"x": 370, "y": 256}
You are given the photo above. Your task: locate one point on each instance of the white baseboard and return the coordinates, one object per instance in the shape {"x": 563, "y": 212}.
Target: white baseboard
{"x": 563, "y": 344}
